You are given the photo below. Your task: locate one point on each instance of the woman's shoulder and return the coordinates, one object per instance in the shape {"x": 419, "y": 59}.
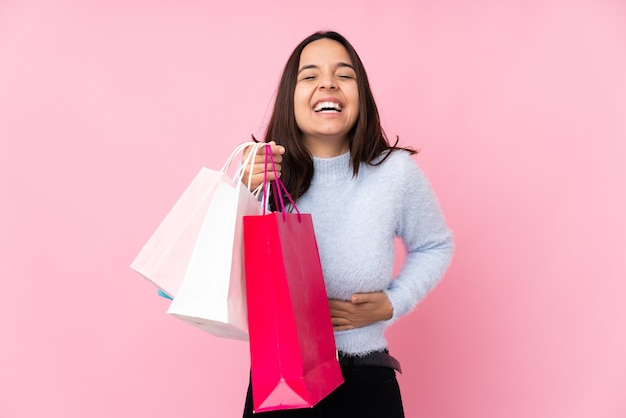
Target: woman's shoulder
{"x": 397, "y": 167}
{"x": 395, "y": 159}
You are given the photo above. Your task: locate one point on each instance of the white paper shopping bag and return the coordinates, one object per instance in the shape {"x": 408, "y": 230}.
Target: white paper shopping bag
{"x": 212, "y": 296}
{"x": 164, "y": 258}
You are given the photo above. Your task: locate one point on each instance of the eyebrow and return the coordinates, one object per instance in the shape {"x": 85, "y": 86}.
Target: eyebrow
{"x": 338, "y": 65}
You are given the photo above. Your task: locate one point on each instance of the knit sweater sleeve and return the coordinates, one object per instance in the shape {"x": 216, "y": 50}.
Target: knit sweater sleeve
{"x": 426, "y": 238}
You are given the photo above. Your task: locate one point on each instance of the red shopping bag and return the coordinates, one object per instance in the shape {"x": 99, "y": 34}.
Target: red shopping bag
{"x": 292, "y": 346}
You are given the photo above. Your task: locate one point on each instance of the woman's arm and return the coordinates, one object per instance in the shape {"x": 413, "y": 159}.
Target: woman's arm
{"x": 427, "y": 240}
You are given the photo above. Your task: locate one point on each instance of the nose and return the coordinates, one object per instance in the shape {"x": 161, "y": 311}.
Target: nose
{"x": 328, "y": 82}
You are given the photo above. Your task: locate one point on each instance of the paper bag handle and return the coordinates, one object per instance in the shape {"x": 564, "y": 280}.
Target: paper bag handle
{"x": 280, "y": 187}
{"x": 248, "y": 161}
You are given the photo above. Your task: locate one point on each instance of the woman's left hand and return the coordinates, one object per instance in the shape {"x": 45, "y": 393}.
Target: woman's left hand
{"x": 362, "y": 309}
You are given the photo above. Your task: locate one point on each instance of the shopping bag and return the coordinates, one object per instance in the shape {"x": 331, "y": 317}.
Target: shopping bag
{"x": 292, "y": 346}
{"x": 164, "y": 257}
{"x": 212, "y": 295}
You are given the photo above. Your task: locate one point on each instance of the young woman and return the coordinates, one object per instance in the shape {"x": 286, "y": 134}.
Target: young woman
{"x": 336, "y": 162}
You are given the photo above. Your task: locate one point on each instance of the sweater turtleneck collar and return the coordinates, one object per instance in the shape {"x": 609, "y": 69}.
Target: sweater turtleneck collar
{"x": 333, "y": 167}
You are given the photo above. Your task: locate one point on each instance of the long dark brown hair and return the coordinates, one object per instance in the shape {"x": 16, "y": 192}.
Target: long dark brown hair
{"x": 367, "y": 138}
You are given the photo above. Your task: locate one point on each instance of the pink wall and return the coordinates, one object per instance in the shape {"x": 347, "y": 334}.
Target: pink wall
{"x": 107, "y": 110}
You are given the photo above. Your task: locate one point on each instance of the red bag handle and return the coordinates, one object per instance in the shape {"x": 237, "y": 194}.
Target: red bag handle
{"x": 279, "y": 185}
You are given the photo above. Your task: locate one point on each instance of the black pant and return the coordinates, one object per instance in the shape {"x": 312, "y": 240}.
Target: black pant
{"x": 368, "y": 392}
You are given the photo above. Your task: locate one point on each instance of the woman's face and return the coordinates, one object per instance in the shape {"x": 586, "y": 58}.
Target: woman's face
{"x": 326, "y": 97}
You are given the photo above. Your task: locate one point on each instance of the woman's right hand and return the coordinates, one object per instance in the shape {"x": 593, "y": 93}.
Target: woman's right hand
{"x": 257, "y": 167}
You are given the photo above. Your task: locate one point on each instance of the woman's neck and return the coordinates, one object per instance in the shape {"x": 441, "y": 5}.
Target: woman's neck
{"x": 326, "y": 148}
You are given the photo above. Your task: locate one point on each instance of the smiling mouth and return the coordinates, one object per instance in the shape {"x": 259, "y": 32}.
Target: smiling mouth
{"x": 327, "y": 107}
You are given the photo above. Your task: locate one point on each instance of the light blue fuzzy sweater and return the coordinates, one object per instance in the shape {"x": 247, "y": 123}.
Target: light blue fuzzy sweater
{"x": 356, "y": 220}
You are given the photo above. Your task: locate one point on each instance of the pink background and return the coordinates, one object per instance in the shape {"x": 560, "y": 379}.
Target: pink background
{"x": 108, "y": 109}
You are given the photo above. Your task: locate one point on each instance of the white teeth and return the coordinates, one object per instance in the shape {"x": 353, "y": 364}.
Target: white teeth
{"x": 327, "y": 107}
